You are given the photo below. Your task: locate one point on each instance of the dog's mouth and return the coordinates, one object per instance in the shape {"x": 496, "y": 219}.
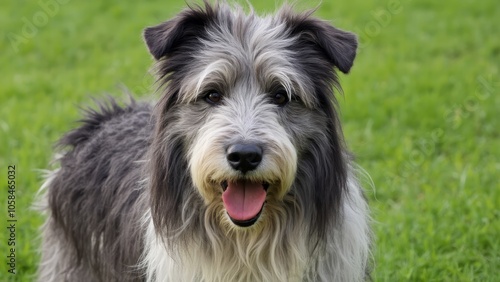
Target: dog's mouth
{"x": 244, "y": 200}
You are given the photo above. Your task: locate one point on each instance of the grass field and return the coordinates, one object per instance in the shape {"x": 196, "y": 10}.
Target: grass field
{"x": 420, "y": 112}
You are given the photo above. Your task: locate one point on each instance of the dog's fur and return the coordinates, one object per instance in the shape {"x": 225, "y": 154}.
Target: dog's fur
{"x": 138, "y": 194}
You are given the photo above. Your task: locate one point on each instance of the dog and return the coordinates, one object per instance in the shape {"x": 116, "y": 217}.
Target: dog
{"x": 239, "y": 172}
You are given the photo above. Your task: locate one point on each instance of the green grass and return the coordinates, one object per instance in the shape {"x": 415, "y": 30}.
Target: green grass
{"x": 420, "y": 111}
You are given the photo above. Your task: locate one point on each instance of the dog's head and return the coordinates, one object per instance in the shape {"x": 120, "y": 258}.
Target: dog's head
{"x": 246, "y": 129}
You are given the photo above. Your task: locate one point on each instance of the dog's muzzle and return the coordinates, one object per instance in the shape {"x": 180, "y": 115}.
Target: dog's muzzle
{"x": 244, "y": 199}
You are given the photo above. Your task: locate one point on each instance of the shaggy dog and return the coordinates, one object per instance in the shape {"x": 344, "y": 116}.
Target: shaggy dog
{"x": 238, "y": 173}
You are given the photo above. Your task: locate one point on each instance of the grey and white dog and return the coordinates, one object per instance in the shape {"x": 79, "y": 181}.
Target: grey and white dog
{"x": 238, "y": 173}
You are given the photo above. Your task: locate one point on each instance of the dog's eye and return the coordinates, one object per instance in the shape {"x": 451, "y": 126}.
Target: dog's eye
{"x": 280, "y": 98}
{"x": 213, "y": 97}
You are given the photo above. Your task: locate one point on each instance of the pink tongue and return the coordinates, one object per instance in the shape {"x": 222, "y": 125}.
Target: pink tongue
{"x": 243, "y": 199}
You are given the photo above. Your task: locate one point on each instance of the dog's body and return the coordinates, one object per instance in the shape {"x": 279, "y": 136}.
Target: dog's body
{"x": 237, "y": 174}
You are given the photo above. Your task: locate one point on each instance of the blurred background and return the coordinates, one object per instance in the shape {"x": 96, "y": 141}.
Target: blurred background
{"x": 419, "y": 109}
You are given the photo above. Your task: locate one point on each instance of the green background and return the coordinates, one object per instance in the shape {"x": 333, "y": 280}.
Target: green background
{"x": 420, "y": 112}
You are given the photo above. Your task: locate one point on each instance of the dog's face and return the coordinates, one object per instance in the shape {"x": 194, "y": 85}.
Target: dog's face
{"x": 247, "y": 118}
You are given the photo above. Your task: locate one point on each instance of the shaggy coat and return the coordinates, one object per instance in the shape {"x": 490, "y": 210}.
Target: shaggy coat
{"x": 148, "y": 192}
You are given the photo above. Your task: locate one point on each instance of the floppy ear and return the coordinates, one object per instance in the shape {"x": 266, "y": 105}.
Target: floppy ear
{"x": 337, "y": 45}
{"x": 166, "y": 37}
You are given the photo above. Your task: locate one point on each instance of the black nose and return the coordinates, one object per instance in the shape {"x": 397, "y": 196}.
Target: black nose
{"x": 244, "y": 157}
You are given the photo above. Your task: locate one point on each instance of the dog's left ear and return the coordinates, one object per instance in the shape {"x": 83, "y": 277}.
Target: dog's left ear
{"x": 338, "y": 46}
{"x": 164, "y": 38}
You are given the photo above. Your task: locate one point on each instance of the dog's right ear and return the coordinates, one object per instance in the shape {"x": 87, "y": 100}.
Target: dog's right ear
{"x": 165, "y": 38}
